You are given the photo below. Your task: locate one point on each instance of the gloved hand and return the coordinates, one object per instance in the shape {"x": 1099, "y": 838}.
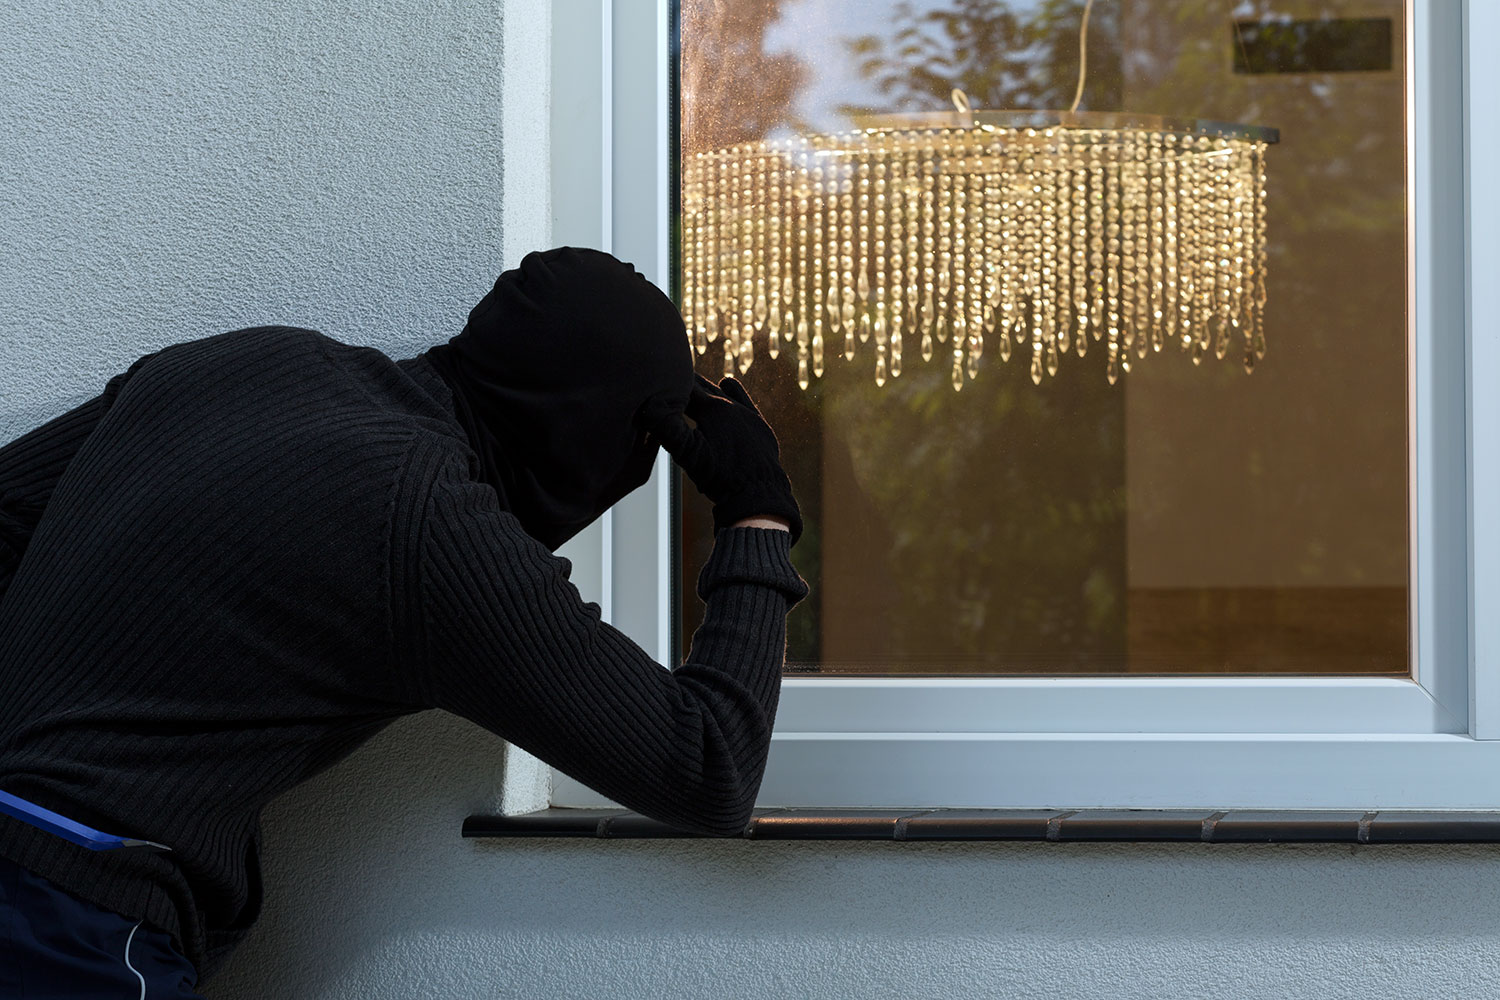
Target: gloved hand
{"x": 731, "y": 456}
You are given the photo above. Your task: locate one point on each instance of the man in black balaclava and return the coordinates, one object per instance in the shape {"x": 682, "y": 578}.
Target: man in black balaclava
{"x": 252, "y": 552}
{"x": 560, "y": 391}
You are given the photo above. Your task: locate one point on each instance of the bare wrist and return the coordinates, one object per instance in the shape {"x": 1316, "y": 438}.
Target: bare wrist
{"x": 763, "y": 522}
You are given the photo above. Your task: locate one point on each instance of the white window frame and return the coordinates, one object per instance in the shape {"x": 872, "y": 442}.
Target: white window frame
{"x": 1431, "y": 741}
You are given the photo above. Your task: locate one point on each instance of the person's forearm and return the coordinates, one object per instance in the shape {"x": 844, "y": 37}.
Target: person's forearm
{"x": 735, "y": 661}
{"x": 509, "y": 643}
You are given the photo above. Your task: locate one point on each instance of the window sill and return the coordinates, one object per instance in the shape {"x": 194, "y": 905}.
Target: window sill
{"x": 1234, "y": 826}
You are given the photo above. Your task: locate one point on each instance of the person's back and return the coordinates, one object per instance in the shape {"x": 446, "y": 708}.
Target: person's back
{"x": 203, "y": 617}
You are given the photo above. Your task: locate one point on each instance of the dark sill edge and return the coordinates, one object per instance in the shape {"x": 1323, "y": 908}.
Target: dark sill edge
{"x": 1222, "y": 827}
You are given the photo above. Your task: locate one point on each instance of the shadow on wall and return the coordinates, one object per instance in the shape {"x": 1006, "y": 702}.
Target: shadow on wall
{"x": 365, "y": 862}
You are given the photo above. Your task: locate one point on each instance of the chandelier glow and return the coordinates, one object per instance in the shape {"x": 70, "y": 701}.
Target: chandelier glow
{"x": 968, "y": 230}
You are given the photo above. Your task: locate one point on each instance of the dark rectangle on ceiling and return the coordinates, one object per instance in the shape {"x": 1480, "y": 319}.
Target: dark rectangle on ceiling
{"x": 1345, "y": 45}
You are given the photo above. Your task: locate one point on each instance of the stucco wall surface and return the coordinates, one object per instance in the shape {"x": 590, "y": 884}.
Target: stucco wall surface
{"x": 171, "y": 169}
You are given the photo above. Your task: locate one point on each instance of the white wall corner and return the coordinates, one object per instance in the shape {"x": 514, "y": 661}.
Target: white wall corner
{"x": 525, "y": 147}
{"x": 525, "y": 135}
{"x": 525, "y": 783}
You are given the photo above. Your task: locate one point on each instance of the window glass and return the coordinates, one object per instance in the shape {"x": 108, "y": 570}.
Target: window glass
{"x": 1187, "y": 516}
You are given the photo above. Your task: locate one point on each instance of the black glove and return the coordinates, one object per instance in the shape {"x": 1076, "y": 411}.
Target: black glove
{"x": 731, "y": 456}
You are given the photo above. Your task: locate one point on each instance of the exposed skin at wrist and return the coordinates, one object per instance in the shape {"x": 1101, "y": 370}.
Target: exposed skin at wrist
{"x": 763, "y": 522}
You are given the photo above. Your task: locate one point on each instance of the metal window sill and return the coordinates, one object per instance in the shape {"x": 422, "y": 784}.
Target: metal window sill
{"x": 1205, "y": 826}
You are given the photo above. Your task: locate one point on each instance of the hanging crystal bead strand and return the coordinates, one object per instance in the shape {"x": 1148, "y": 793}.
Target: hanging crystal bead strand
{"x": 745, "y": 349}
{"x": 729, "y": 264}
{"x": 1096, "y": 237}
{"x": 1258, "y": 248}
{"x": 788, "y": 248}
{"x": 815, "y": 243}
{"x": 1140, "y": 298}
{"x": 712, "y": 249}
{"x": 802, "y": 264}
{"x": 689, "y": 229}
{"x": 1208, "y": 250}
{"x": 896, "y": 231}
{"x": 943, "y": 311}
{"x": 857, "y": 172}
{"x": 1112, "y": 269}
{"x": 773, "y": 251}
{"x": 1223, "y": 252}
{"x": 1029, "y": 249}
{"x": 1125, "y": 206}
{"x": 1063, "y": 199}
{"x": 758, "y": 205}
{"x": 708, "y": 242}
{"x": 1047, "y": 258}
{"x": 834, "y": 282}
{"x": 903, "y": 308}
{"x": 862, "y": 279}
{"x": 928, "y": 313}
{"x": 879, "y": 267}
{"x": 1238, "y": 169}
{"x": 960, "y": 259}
{"x": 1169, "y": 316}
{"x": 912, "y": 203}
{"x": 1192, "y": 195}
{"x": 692, "y": 229}
{"x": 846, "y": 255}
{"x": 992, "y": 260}
{"x": 834, "y": 279}
{"x": 957, "y": 303}
{"x": 1011, "y": 315}
{"x": 1140, "y": 258}
{"x": 975, "y": 281}
{"x": 1157, "y": 222}
{"x": 1080, "y": 260}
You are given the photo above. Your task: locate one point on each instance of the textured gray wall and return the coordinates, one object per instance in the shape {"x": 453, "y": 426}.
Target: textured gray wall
{"x": 172, "y": 169}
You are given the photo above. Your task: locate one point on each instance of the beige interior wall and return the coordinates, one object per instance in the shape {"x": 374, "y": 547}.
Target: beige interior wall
{"x": 1294, "y": 476}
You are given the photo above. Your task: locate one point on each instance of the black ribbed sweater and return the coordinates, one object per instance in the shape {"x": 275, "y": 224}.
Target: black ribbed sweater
{"x": 250, "y": 554}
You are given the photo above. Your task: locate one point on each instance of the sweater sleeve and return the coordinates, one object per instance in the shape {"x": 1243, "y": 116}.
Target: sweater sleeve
{"x": 31, "y": 465}
{"x": 507, "y": 642}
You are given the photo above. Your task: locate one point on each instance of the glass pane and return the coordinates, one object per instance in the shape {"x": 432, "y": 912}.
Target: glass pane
{"x": 1187, "y": 517}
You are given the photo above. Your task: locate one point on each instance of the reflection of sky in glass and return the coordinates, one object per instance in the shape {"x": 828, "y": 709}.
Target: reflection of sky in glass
{"x": 818, "y": 32}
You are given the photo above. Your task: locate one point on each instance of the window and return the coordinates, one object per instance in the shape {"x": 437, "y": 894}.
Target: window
{"x": 1181, "y": 517}
{"x": 1414, "y": 739}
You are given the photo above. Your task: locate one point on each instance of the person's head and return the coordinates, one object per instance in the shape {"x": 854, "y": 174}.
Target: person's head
{"x": 558, "y": 377}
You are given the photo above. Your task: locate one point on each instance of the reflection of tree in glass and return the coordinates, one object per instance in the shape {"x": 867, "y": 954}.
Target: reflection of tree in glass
{"x": 732, "y": 89}
{"x": 1001, "y": 58}
{"x": 1004, "y": 522}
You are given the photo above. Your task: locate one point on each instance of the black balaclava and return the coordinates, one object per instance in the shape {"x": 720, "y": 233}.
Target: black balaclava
{"x": 563, "y": 369}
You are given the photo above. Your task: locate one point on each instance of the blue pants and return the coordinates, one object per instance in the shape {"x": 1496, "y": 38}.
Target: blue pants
{"x": 54, "y": 945}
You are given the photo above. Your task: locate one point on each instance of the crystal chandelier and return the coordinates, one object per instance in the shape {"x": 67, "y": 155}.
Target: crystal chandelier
{"x": 973, "y": 229}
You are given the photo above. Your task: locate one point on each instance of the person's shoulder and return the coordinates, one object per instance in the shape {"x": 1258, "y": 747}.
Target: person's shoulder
{"x": 291, "y": 337}
{"x": 255, "y": 340}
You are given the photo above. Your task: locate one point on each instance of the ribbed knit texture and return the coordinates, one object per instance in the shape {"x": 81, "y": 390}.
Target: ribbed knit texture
{"x": 253, "y": 552}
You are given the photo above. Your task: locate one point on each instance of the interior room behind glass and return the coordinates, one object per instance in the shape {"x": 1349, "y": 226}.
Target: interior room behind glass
{"x": 1190, "y": 518}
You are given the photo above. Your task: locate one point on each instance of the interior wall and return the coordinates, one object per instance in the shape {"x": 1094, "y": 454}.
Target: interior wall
{"x": 1295, "y": 476}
